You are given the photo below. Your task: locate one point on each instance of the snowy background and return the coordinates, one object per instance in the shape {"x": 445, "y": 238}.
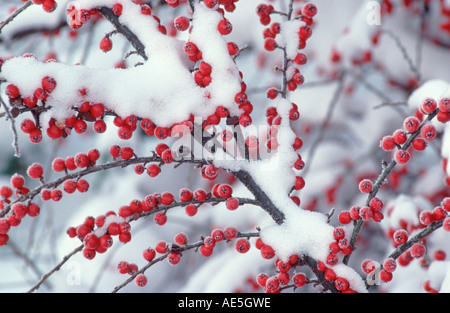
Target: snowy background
{"x": 368, "y": 108}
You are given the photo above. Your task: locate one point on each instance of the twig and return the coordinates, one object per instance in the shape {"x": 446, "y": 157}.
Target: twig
{"x": 13, "y": 128}
{"x": 382, "y": 180}
{"x": 15, "y": 14}
{"x": 323, "y": 126}
{"x": 124, "y": 30}
{"x": 55, "y": 269}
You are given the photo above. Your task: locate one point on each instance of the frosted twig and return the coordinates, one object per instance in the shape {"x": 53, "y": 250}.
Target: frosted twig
{"x": 15, "y": 14}
{"x": 325, "y": 123}
{"x": 13, "y": 128}
{"x": 404, "y": 52}
{"x": 55, "y": 269}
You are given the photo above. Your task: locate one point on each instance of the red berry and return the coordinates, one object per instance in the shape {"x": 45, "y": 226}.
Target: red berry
{"x": 341, "y": 284}
{"x": 418, "y": 250}
{"x": 160, "y": 218}
{"x": 232, "y": 203}
{"x": 400, "y": 236}
{"x": 89, "y": 253}
{"x": 428, "y": 106}
{"x": 117, "y": 9}
{"x": 141, "y": 280}
{"x": 225, "y": 27}
{"x": 402, "y": 157}
{"x": 309, "y": 10}
{"x": 444, "y": 105}
{"x": 299, "y": 279}
{"x": 230, "y": 232}
{"x": 272, "y": 284}
{"x": 149, "y": 254}
{"x": 181, "y": 23}
{"x": 181, "y": 239}
{"x": 270, "y": 44}
{"x": 385, "y": 276}
{"x": 35, "y": 171}
{"x": 365, "y": 186}
{"x": 153, "y": 170}
{"x": 390, "y": 265}
{"x": 205, "y": 251}
{"x": 400, "y": 136}
{"x": 49, "y": 84}
{"x": 267, "y": 252}
{"x": 191, "y": 210}
{"x": 174, "y": 258}
{"x": 106, "y": 44}
{"x": 426, "y": 218}
{"x": 344, "y": 217}
{"x": 12, "y": 91}
{"x": 428, "y": 132}
{"x": 411, "y": 124}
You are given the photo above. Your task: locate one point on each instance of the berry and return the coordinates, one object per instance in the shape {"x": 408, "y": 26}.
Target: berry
{"x": 444, "y": 105}
{"x": 402, "y": 157}
{"x": 141, "y": 280}
{"x": 426, "y": 218}
{"x": 153, "y": 170}
{"x": 385, "y": 276}
{"x": 181, "y": 239}
{"x": 149, "y": 254}
{"x": 242, "y": 245}
{"x": 117, "y": 9}
{"x": 411, "y": 124}
{"x": 418, "y": 250}
{"x": 270, "y": 44}
{"x": 309, "y": 10}
{"x": 428, "y": 106}
{"x": 428, "y": 132}
{"x": 106, "y": 44}
{"x": 341, "y": 284}
{"x": 230, "y": 232}
{"x": 365, "y": 186}
{"x": 390, "y": 265}
{"x": 35, "y": 171}
{"x": 160, "y": 218}
{"x": 191, "y": 210}
{"x": 299, "y": 279}
{"x": 400, "y": 236}
{"x": 344, "y": 217}
{"x": 232, "y": 203}
{"x": 225, "y": 27}
{"x": 400, "y": 136}
{"x": 267, "y": 252}
{"x": 174, "y": 258}
{"x": 12, "y": 91}
{"x": 181, "y": 23}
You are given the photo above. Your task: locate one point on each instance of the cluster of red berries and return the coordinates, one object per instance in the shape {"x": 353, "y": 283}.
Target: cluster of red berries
{"x": 48, "y": 5}
{"x": 100, "y": 239}
{"x": 286, "y": 272}
{"x": 415, "y": 125}
{"x": 366, "y": 213}
{"x": 18, "y": 209}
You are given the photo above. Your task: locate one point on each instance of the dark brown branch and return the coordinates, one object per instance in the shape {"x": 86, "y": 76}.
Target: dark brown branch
{"x": 124, "y": 30}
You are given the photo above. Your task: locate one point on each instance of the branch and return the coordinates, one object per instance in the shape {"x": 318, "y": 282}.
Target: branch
{"x": 15, "y": 14}
{"x": 382, "y": 180}
{"x": 124, "y": 30}
{"x": 56, "y": 268}
{"x": 13, "y": 128}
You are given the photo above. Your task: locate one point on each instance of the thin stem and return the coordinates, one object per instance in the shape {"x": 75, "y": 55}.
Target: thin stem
{"x": 15, "y": 14}
{"x": 55, "y": 269}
